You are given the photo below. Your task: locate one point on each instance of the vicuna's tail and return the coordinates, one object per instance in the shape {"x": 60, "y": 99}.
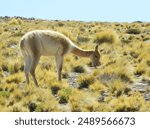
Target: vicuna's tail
{"x": 21, "y": 45}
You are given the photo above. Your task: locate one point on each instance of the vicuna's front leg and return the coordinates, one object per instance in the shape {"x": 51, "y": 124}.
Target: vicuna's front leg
{"x": 59, "y": 63}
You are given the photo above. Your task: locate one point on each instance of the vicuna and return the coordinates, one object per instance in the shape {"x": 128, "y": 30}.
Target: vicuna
{"x": 39, "y": 43}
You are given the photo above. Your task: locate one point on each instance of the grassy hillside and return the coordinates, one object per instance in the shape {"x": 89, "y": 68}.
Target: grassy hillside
{"x": 121, "y": 83}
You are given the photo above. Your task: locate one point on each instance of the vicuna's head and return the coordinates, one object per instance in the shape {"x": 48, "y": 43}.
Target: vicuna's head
{"x": 95, "y": 57}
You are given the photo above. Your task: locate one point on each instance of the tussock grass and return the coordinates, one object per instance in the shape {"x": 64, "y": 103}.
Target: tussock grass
{"x": 64, "y": 95}
{"x": 133, "y": 31}
{"x": 82, "y": 101}
{"x": 5, "y": 94}
{"x": 78, "y": 69}
{"x": 15, "y": 67}
{"x": 55, "y": 88}
{"x": 141, "y": 69}
{"x": 85, "y": 81}
{"x": 15, "y": 78}
{"x": 127, "y": 104}
{"x": 46, "y": 107}
{"x": 13, "y": 22}
{"x": 5, "y": 66}
{"x": 107, "y": 36}
{"x": 118, "y": 88}
{"x": 18, "y": 108}
{"x": 97, "y": 87}
{"x": 113, "y": 72}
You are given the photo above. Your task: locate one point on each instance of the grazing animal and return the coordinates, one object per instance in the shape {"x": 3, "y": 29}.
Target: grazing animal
{"x": 39, "y": 43}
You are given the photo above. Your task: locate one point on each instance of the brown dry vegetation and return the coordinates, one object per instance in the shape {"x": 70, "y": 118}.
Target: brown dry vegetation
{"x": 121, "y": 83}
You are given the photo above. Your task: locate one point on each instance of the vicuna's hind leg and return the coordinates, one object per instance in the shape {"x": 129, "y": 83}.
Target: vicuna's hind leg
{"x": 34, "y": 63}
{"x": 59, "y": 63}
{"x": 27, "y": 65}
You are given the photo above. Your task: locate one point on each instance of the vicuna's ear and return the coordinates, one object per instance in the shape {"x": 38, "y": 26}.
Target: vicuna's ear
{"x": 96, "y": 48}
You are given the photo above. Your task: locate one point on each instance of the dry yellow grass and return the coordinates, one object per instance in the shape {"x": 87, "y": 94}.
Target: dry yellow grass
{"x": 124, "y": 61}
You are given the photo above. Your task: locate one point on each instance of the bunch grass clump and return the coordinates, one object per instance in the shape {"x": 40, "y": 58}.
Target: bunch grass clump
{"x": 106, "y": 36}
{"x": 85, "y": 81}
{"x": 46, "y": 107}
{"x": 127, "y": 104}
{"x": 81, "y": 101}
{"x": 109, "y": 75}
{"x": 5, "y": 94}
{"x": 78, "y": 69}
{"x": 118, "y": 88}
{"x": 15, "y": 67}
{"x": 133, "y": 31}
{"x": 97, "y": 86}
{"x": 141, "y": 69}
{"x": 15, "y": 78}
{"x": 64, "y": 95}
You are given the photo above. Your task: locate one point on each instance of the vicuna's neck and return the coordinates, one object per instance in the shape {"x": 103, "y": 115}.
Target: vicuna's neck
{"x": 80, "y": 52}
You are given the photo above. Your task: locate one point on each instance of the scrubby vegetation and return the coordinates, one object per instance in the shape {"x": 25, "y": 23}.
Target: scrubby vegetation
{"x": 107, "y": 36}
{"x": 120, "y": 83}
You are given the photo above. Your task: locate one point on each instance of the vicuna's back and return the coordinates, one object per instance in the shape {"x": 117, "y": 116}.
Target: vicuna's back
{"x": 47, "y": 42}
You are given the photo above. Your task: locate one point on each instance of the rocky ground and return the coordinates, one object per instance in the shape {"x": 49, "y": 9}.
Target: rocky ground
{"x": 140, "y": 85}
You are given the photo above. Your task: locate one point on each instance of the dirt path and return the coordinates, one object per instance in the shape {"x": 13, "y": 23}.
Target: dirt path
{"x": 72, "y": 79}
